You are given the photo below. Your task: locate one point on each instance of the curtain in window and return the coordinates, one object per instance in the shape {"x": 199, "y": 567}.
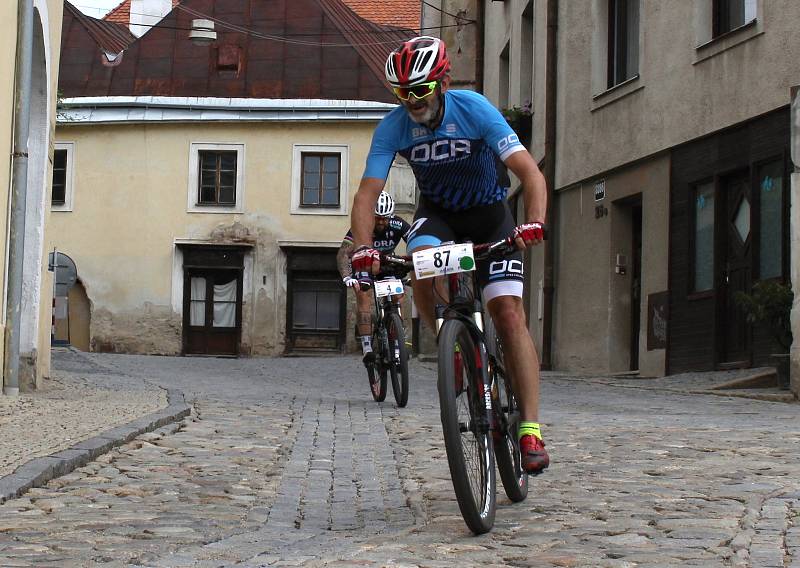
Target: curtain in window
{"x": 225, "y": 304}
{"x": 197, "y": 311}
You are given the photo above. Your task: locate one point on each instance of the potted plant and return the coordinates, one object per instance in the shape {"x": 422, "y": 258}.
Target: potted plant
{"x": 770, "y": 304}
{"x": 520, "y": 118}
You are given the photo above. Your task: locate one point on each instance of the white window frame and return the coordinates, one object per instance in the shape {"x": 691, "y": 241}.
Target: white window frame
{"x": 69, "y": 191}
{"x": 602, "y": 93}
{"x": 708, "y": 46}
{"x": 344, "y": 178}
{"x": 194, "y": 158}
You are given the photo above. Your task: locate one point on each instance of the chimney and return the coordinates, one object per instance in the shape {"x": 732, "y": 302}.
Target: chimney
{"x": 147, "y": 13}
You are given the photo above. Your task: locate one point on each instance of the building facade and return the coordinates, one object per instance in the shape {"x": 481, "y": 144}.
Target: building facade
{"x": 671, "y": 174}
{"x": 205, "y": 189}
{"x": 33, "y": 326}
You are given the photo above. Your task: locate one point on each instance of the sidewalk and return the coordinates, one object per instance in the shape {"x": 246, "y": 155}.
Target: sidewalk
{"x": 82, "y": 411}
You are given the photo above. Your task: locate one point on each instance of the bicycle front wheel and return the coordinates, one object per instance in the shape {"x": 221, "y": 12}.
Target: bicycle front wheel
{"x": 376, "y": 370}
{"x": 468, "y": 442}
{"x": 398, "y": 359}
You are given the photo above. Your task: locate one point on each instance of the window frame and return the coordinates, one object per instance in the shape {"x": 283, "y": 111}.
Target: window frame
{"x": 69, "y": 178}
{"x": 720, "y": 10}
{"x": 193, "y": 203}
{"x": 297, "y": 172}
{"x": 618, "y": 45}
{"x": 320, "y": 188}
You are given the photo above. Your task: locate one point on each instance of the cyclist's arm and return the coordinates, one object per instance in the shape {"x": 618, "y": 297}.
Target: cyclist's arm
{"x": 343, "y": 258}
{"x": 534, "y": 188}
{"x": 362, "y": 219}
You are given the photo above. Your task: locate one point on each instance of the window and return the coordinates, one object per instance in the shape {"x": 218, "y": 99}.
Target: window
{"x": 320, "y": 179}
{"x": 61, "y": 195}
{"x": 216, "y": 179}
{"x": 623, "y": 41}
{"x": 703, "y": 257}
{"x": 728, "y": 15}
{"x": 770, "y": 194}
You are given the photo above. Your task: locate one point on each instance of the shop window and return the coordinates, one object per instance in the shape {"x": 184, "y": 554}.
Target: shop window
{"x": 770, "y": 193}
{"x": 703, "y": 242}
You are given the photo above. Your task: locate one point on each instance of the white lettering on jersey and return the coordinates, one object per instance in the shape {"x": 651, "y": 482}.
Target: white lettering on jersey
{"x": 440, "y": 150}
{"x": 506, "y": 142}
{"x": 502, "y": 266}
{"x": 419, "y": 132}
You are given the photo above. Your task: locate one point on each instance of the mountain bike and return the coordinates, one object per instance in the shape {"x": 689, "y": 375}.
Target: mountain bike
{"x": 389, "y": 337}
{"x": 479, "y": 411}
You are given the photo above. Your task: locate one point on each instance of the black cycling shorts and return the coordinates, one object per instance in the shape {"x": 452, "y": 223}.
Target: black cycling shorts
{"x": 483, "y": 224}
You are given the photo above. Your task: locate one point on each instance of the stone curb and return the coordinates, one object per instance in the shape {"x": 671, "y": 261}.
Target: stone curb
{"x": 39, "y": 471}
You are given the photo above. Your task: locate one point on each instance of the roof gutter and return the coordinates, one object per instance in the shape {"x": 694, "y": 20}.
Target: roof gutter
{"x": 19, "y": 190}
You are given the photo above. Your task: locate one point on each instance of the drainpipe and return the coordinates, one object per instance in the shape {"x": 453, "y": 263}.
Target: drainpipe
{"x": 19, "y": 187}
{"x": 480, "y": 35}
{"x": 551, "y": 103}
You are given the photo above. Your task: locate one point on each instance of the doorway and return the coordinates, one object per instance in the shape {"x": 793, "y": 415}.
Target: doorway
{"x": 734, "y": 270}
{"x": 212, "y": 300}
{"x": 636, "y": 282}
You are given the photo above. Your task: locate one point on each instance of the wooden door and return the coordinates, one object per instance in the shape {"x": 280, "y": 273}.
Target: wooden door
{"x": 212, "y": 311}
{"x": 735, "y": 270}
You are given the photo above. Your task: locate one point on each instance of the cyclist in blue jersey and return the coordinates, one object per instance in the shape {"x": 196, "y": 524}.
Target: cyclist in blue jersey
{"x": 388, "y": 232}
{"x": 452, "y": 139}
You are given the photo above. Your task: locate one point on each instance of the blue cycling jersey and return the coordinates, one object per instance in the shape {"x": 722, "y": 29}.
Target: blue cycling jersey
{"x": 455, "y": 165}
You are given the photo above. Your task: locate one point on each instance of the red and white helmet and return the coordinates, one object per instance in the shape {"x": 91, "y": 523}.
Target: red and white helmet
{"x": 419, "y": 60}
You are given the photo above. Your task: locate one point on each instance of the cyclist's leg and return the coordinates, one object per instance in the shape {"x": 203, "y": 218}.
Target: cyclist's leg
{"x": 502, "y": 283}
{"x": 428, "y": 230}
{"x": 364, "y": 320}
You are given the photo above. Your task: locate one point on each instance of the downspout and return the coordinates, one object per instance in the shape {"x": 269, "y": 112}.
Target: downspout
{"x": 480, "y": 35}
{"x": 19, "y": 190}
{"x": 551, "y": 104}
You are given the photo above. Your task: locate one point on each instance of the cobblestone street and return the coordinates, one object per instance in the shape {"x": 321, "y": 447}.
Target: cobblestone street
{"x": 288, "y": 462}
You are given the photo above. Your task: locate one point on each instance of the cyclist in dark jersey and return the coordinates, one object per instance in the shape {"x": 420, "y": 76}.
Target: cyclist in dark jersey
{"x": 388, "y": 232}
{"x": 452, "y": 140}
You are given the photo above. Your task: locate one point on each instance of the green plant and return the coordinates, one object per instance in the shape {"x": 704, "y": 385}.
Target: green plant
{"x": 769, "y": 303}
{"x": 516, "y": 113}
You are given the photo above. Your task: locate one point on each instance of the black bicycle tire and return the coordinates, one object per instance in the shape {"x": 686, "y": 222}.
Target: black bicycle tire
{"x": 398, "y": 361}
{"x": 506, "y": 448}
{"x": 376, "y": 371}
{"x": 479, "y": 517}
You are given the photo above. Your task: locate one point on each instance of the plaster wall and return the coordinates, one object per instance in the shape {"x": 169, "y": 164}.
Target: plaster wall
{"x": 507, "y": 28}
{"x": 688, "y": 85}
{"x": 593, "y": 303}
{"x": 130, "y": 206}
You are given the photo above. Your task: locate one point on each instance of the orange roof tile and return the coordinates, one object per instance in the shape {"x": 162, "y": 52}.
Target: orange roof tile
{"x": 398, "y": 13}
{"x": 122, "y": 13}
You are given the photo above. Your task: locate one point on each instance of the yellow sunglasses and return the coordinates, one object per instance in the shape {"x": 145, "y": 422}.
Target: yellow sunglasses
{"x": 419, "y": 91}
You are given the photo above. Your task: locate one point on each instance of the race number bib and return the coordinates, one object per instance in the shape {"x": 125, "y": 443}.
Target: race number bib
{"x": 445, "y": 259}
{"x": 388, "y": 287}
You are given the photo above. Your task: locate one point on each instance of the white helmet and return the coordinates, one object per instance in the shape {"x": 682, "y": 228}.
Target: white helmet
{"x": 385, "y": 205}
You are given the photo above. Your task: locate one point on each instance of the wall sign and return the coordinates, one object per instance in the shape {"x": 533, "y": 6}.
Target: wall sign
{"x": 657, "y": 320}
{"x": 600, "y": 190}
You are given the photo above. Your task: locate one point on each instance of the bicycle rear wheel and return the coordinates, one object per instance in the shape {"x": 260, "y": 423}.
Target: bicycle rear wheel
{"x": 506, "y": 449}
{"x": 398, "y": 359}
{"x": 376, "y": 371}
{"x": 465, "y": 426}
{"x": 507, "y": 417}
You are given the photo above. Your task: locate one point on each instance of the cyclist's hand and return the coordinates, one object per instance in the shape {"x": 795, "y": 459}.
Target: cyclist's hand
{"x": 528, "y": 234}
{"x": 367, "y": 260}
{"x": 350, "y": 282}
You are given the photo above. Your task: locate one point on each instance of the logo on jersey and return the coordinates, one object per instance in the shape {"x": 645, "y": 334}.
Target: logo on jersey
{"x": 419, "y": 132}
{"x": 450, "y": 128}
{"x": 505, "y": 268}
{"x": 504, "y": 143}
{"x": 440, "y": 150}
